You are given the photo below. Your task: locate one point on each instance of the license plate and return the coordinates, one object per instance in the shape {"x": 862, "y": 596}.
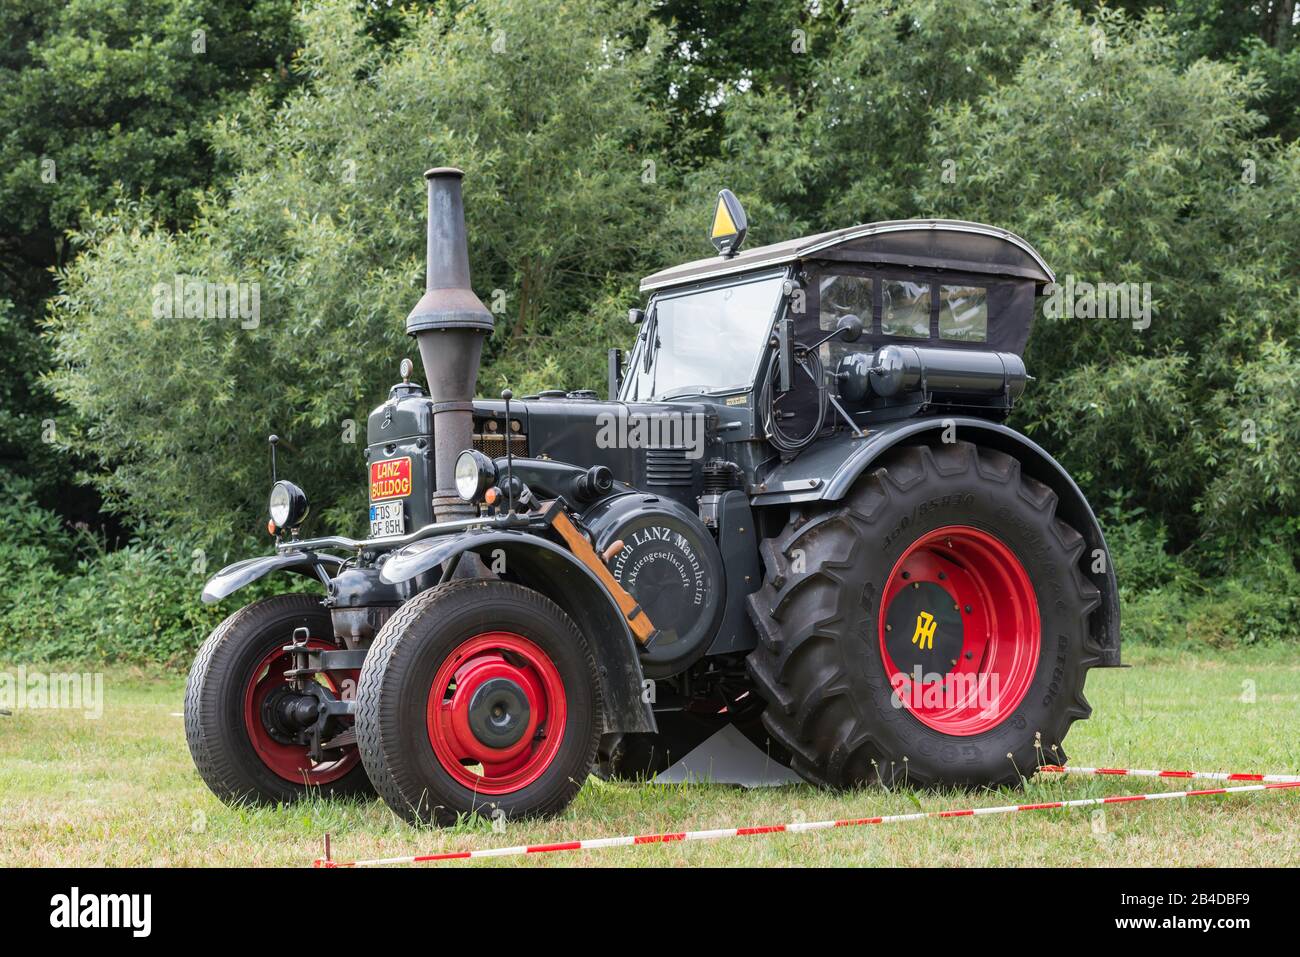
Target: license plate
{"x": 386, "y": 518}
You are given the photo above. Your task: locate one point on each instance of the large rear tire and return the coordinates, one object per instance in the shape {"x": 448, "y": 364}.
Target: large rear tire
{"x": 932, "y": 629}
{"x": 478, "y": 697}
{"x": 240, "y": 665}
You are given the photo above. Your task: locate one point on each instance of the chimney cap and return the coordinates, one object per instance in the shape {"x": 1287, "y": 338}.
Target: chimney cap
{"x": 444, "y": 171}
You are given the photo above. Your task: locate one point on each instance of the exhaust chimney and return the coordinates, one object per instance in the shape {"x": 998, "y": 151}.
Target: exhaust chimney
{"x": 449, "y": 324}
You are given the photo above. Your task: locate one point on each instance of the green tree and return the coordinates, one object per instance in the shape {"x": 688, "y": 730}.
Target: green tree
{"x": 1262, "y": 35}
{"x": 101, "y": 98}
{"x": 1098, "y": 139}
{"x": 722, "y": 49}
{"x": 542, "y": 102}
{"x": 852, "y": 143}
{"x": 1124, "y": 164}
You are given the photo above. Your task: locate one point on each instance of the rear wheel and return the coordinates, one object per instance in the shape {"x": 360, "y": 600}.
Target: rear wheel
{"x": 932, "y": 629}
{"x": 236, "y": 698}
{"x": 478, "y": 696}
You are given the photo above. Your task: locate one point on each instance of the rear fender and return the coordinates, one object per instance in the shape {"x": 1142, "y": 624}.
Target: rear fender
{"x": 827, "y": 470}
{"x": 234, "y": 577}
{"x": 558, "y": 574}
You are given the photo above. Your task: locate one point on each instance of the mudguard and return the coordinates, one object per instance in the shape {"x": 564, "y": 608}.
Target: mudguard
{"x": 234, "y": 577}
{"x": 826, "y": 471}
{"x": 556, "y": 573}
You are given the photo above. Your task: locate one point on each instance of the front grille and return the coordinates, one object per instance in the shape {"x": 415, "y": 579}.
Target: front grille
{"x": 493, "y": 444}
{"x": 668, "y": 467}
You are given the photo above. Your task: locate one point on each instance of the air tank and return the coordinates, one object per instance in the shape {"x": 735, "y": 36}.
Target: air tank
{"x": 894, "y": 371}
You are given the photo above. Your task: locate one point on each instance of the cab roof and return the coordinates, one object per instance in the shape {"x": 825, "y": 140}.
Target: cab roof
{"x": 930, "y": 243}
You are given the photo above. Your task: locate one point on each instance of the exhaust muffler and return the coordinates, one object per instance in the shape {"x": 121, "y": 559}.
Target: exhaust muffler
{"x": 449, "y": 324}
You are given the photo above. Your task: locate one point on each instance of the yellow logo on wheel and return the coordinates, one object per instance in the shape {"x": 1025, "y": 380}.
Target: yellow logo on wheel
{"x": 925, "y": 626}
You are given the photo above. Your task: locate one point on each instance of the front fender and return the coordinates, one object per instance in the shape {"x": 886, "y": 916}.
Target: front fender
{"x": 559, "y": 575}
{"x": 827, "y": 470}
{"x": 234, "y": 577}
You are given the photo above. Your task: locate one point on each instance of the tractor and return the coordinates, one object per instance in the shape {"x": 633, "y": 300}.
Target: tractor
{"x": 797, "y": 514}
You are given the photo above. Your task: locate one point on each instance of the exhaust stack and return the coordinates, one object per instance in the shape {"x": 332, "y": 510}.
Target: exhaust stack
{"x": 449, "y": 324}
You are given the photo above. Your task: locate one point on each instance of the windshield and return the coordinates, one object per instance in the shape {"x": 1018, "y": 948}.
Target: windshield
{"x": 704, "y": 341}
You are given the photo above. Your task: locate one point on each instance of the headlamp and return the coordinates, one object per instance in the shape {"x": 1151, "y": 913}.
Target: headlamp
{"x": 475, "y": 474}
{"x": 288, "y": 505}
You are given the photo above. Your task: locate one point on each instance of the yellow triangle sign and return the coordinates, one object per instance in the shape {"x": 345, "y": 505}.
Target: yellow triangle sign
{"x": 730, "y": 224}
{"x": 723, "y": 225}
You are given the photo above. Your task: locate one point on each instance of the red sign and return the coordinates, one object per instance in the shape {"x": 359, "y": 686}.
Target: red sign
{"x": 390, "y": 479}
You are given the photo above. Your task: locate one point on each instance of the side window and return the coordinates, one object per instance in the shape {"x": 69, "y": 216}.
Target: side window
{"x": 845, "y": 296}
{"x": 842, "y": 296}
{"x": 964, "y": 313}
{"x": 905, "y": 308}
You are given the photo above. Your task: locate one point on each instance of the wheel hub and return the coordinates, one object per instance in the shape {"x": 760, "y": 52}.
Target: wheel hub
{"x": 499, "y": 712}
{"x": 275, "y": 713}
{"x": 286, "y": 712}
{"x": 924, "y": 630}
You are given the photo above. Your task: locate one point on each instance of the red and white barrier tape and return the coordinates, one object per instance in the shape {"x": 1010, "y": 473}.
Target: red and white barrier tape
{"x": 800, "y": 827}
{"x": 1147, "y": 773}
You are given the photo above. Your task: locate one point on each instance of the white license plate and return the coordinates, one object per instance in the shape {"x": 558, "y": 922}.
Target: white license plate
{"x": 386, "y": 518}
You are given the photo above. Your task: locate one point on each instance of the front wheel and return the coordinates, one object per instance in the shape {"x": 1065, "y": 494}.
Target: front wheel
{"x": 933, "y": 629}
{"x": 238, "y": 704}
{"x": 478, "y": 697}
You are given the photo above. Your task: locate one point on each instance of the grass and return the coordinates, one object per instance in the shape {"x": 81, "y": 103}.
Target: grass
{"x": 121, "y": 791}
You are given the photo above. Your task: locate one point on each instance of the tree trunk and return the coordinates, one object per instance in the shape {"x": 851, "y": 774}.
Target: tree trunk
{"x": 1283, "y": 17}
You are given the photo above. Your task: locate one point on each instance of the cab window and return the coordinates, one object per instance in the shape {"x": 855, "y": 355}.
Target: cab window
{"x": 703, "y": 341}
{"x": 840, "y": 296}
{"x": 963, "y": 313}
{"x": 905, "y": 309}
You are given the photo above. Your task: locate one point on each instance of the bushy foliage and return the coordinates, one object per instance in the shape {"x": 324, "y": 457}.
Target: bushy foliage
{"x": 853, "y": 143}
{"x": 327, "y": 217}
{"x": 1135, "y": 175}
{"x": 64, "y": 596}
{"x": 101, "y": 100}
{"x": 1167, "y": 599}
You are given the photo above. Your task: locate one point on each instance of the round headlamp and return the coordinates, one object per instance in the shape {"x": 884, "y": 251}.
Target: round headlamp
{"x": 475, "y": 474}
{"x": 288, "y": 505}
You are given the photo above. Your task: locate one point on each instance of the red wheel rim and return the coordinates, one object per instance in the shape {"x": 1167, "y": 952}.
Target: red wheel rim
{"x": 289, "y": 761}
{"x": 496, "y": 677}
{"x": 959, "y": 630}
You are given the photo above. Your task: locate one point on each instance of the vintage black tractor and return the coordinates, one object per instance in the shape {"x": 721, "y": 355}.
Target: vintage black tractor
{"x": 797, "y": 513}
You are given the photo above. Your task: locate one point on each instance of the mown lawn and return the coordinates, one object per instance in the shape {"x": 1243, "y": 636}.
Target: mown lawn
{"x": 121, "y": 791}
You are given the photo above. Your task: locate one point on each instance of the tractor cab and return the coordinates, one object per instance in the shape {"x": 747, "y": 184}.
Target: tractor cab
{"x": 944, "y": 308}
{"x": 806, "y": 345}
